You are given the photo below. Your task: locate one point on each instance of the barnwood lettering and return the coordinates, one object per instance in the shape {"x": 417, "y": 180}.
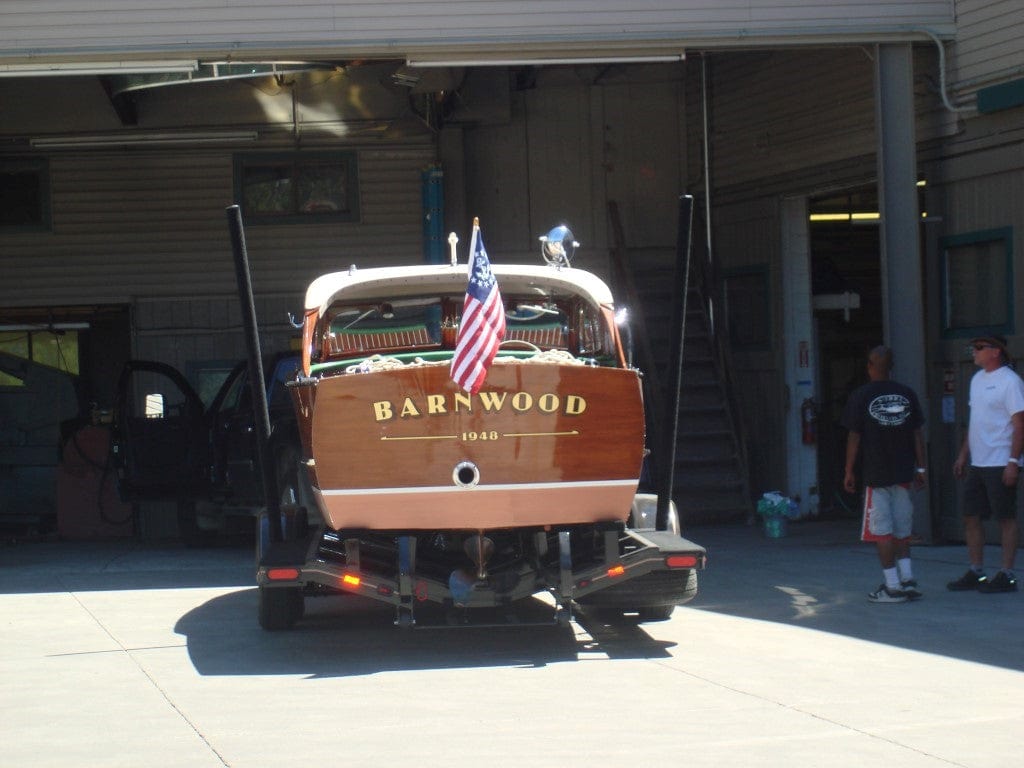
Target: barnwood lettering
{"x": 488, "y": 402}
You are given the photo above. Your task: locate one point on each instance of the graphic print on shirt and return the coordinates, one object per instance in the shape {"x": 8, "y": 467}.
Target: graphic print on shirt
{"x": 890, "y": 410}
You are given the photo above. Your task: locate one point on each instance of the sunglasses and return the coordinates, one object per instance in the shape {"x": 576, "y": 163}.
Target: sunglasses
{"x": 979, "y": 347}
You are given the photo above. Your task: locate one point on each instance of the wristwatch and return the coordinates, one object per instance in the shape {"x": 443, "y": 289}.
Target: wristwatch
{"x": 921, "y": 470}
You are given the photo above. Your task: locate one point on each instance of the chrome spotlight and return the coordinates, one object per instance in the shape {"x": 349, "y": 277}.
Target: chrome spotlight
{"x": 558, "y": 246}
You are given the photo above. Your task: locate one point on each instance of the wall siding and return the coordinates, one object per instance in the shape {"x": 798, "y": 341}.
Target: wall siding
{"x": 153, "y": 224}
{"x": 149, "y": 230}
{"x": 987, "y": 47}
{"x": 813, "y": 108}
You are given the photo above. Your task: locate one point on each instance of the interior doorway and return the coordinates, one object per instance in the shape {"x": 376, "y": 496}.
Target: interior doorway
{"x": 846, "y": 284}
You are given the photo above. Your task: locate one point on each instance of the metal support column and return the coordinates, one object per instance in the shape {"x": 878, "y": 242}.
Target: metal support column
{"x": 902, "y": 280}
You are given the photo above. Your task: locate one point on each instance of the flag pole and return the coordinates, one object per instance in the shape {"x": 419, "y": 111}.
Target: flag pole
{"x": 472, "y": 244}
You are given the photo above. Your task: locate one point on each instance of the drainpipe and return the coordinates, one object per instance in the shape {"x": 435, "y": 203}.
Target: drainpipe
{"x": 942, "y": 75}
{"x": 433, "y": 215}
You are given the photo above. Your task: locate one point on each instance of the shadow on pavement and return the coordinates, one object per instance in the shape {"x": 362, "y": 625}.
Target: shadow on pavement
{"x": 344, "y": 636}
{"x": 818, "y": 577}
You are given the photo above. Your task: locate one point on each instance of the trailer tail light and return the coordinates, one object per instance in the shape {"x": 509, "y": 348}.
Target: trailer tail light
{"x": 616, "y": 570}
{"x": 681, "y": 561}
{"x": 351, "y": 580}
{"x": 282, "y": 574}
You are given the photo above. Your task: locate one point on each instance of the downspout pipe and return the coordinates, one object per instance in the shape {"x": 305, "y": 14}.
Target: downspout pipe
{"x": 942, "y": 75}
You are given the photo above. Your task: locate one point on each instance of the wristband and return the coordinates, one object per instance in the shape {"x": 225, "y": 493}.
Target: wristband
{"x": 921, "y": 470}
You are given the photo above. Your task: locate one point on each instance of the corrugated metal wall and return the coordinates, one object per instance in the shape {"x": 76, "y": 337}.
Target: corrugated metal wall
{"x": 814, "y": 109}
{"x": 573, "y": 144}
{"x": 783, "y": 123}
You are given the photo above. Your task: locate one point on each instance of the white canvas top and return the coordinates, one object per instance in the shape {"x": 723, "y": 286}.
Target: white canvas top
{"x": 388, "y": 282}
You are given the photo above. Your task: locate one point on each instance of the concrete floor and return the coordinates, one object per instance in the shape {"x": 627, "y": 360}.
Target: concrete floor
{"x": 129, "y": 654}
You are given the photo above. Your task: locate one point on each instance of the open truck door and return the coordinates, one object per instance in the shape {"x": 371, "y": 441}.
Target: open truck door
{"x": 161, "y": 439}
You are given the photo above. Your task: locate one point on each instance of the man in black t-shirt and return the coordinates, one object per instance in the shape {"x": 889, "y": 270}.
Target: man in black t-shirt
{"x": 884, "y": 420}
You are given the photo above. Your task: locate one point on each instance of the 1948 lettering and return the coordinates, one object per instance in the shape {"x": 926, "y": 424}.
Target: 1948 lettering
{"x": 469, "y": 437}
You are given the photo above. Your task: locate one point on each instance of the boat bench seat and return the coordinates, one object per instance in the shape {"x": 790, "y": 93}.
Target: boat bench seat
{"x": 545, "y": 337}
{"x": 355, "y": 341}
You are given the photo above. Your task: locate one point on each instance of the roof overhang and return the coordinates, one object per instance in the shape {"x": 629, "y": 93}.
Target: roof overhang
{"x": 507, "y": 46}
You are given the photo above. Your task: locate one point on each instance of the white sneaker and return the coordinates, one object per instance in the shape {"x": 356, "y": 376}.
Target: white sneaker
{"x": 885, "y": 595}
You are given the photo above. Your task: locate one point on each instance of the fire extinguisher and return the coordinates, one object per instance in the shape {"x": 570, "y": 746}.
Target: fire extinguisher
{"x": 808, "y": 416}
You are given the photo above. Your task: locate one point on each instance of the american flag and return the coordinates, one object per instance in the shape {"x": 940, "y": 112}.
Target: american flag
{"x": 483, "y": 321}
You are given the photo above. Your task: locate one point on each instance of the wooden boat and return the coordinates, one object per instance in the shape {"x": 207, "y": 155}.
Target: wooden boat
{"x": 554, "y": 437}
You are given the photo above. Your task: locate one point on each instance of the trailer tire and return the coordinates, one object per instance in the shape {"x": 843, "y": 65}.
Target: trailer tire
{"x": 655, "y": 613}
{"x": 280, "y": 607}
{"x": 651, "y": 597}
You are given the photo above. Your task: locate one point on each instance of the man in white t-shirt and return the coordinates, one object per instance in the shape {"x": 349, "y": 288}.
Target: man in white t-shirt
{"x": 994, "y": 442}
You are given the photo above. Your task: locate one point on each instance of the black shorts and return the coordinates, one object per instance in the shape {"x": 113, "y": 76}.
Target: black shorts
{"x": 986, "y": 496}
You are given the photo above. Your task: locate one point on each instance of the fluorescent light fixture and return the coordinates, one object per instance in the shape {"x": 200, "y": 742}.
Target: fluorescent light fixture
{"x": 550, "y": 60}
{"x": 44, "y": 327}
{"x": 854, "y": 217}
{"x": 160, "y": 138}
{"x": 41, "y": 69}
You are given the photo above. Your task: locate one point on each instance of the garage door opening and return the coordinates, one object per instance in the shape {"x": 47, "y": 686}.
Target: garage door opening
{"x": 58, "y": 375}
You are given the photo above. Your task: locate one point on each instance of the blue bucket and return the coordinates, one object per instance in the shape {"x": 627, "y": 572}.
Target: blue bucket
{"x": 775, "y": 527}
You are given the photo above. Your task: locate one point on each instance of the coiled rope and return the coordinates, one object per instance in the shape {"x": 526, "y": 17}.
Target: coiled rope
{"x": 376, "y": 363}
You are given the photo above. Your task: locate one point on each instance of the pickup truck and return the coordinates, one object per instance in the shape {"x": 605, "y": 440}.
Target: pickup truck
{"x": 169, "y": 447}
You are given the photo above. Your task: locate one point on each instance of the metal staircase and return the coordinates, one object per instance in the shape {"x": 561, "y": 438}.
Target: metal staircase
{"x": 710, "y": 473}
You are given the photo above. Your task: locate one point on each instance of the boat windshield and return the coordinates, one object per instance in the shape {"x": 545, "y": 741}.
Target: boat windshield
{"x": 427, "y": 323}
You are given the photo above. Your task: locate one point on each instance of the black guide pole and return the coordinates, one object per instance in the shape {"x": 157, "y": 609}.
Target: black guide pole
{"x": 261, "y": 412}
{"x": 674, "y": 382}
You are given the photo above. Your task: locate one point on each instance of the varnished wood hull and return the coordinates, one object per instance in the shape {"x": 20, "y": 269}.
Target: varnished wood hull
{"x": 541, "y": 444}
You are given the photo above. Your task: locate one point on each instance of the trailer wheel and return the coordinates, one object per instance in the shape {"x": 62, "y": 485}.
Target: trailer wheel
{"x": 280, "y": 607}
{"x": 655, "y": 613}
{"x": 652, "y": 597}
